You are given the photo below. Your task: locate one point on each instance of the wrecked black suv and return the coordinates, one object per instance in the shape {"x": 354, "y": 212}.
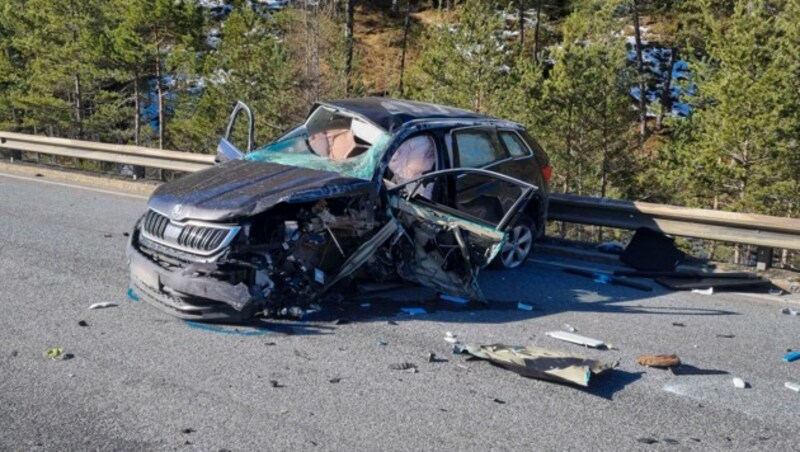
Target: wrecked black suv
{"x": 365, "y": 189}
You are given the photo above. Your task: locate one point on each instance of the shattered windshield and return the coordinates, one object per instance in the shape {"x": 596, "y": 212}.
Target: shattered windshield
{"x": 330, "y": 140}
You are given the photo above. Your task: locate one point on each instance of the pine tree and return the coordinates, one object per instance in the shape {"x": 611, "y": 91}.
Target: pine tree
{"x": 464, "y": 63}
{"x": 250, "y": 64}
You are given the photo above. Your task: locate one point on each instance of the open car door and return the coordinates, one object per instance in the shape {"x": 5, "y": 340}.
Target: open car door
{"x": 443, "y": 246}
{"x": 227, "y": 150}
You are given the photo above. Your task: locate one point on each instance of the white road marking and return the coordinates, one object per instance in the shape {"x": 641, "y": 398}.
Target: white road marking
{"x": 81, "y": 187}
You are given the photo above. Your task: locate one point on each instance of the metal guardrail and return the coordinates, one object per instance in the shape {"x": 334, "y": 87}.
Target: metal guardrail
{"x": 760, "y": 230}
{"x": 752, "y": 229}
{"x": 116, "y": 153}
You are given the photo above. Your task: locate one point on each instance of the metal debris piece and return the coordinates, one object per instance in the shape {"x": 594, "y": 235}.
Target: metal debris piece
{"x": 102, "y": 305}
{"x": 739, "y": 383}
{"x": 576, "y": 339}
{"x": 659, "y": 361}
{"x": 408, "y": 367}
{"x": 382, "y": 343}
{"x": 536, "y": 362}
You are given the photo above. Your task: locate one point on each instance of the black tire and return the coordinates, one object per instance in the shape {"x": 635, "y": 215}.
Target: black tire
{"x": 519, "y": 245}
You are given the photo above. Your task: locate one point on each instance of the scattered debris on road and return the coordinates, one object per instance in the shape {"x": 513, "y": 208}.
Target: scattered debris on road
{"x": 659, "y": 361}
{"x": 433, "y": 358}
{"x": 793, "y": 386}
{"x": 381, "y": 343}
{"x": 187, "y": 431}
{"x": 450, "y": 338}
{"x": 726, "y": 336}
{"x": 651, "y": 250}
{"x": 335, "y": 380}
{"x": 524, "y": 307}
{"x": 570, "y": 328}
{"x": 414, "y": 311}
{"x": 276, "y": 384}
{"x": 790, "y": 311}
{"x": 576, "y": 339}
{"x": 678, "y": 324}
{"x": 646, "y": 440}
{"x": 408, "y": 367}
{"x": 707, "y": 291}
{"x": 605, "y": 278}
{"x": 103, "y": 305}
{"x": 739, "y": 383}
{"x": 57, "y": 353}
{"x": 499, "y": 401}
{"x": 793, "y": 356}
{"x": 453, "y": 299}
{"x": 82, "y": 323}
{"x": 536, "y": 362}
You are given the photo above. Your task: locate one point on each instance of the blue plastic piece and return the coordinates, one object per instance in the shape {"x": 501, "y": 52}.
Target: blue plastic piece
{"x": 793, "y": 356}
{"x": 132, "y": 295}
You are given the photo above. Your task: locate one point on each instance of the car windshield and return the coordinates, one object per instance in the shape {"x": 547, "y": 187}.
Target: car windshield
{"x": 330, "y": 140}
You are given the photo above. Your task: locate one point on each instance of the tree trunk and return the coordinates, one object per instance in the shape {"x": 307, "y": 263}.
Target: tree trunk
{"x": 349, "y": 42}
{"x": 666, "y": 96}
{"x": 406, "y": 27}
{"x": 640, "y": 69}
{"x": 521, "y": 18}
{"x": 160, "y": 95}
{"x": 138, "y": 171}
{"x": 536, "y": 31}
{"x": 78, "y": 106}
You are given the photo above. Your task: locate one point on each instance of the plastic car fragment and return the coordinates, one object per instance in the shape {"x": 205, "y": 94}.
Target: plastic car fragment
{"x": 541, "y": 363}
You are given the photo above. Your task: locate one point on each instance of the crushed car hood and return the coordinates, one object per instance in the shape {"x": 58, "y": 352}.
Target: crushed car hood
{"x": 242, "y": 188}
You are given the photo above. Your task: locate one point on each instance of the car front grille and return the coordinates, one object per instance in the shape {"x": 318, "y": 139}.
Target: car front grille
{"x": 193, "y": 237}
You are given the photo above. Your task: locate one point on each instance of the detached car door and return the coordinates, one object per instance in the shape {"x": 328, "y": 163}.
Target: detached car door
{"x": 443, "y": 246}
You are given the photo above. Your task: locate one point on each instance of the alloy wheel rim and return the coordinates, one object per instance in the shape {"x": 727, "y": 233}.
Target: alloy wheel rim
{"x": 518, "y": 246}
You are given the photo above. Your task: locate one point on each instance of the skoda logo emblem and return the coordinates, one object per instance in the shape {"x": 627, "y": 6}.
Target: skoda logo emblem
{"x": 176, "y": 211}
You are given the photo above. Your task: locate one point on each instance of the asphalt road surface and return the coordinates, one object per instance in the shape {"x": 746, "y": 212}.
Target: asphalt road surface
{"x": 143, "y": 381}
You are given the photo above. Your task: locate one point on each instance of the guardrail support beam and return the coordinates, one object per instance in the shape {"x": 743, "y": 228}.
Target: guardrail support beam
{"x": 764, "y": 258}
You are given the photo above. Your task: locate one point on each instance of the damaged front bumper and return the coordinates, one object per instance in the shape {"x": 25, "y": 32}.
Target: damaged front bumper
{"x": 190, "y": 297}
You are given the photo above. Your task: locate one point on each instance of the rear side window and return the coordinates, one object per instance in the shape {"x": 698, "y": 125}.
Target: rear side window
{"x": 514, "y": 144}
{"x": 477, "y": 148}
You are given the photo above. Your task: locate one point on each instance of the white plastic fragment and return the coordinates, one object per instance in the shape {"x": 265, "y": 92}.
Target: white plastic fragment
{"x": 793, "y": 386}
{"x": 103, "y": 304}
{"x": 570, "y": 328}
{"x": 450, "y": 338}
{"x": 739, "y": 383}
{"x": 709, "y": 291}
{"x": 576, "y": 339}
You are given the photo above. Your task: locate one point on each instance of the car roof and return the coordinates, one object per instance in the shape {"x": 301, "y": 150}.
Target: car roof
{"x": 392, "y": 114}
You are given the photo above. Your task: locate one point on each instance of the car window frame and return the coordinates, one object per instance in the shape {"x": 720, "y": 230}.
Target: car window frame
{"x": 520, "y": 138}
{"x": 452, "y": 145}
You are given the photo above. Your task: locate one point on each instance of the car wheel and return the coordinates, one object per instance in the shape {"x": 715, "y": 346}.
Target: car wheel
{"x": 519, "y": 245}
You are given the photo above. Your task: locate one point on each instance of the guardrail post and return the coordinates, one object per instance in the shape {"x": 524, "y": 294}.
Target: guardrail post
{"x": 764, "y": 259}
